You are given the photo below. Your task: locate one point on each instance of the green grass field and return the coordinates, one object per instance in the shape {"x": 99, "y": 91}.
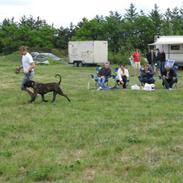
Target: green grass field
{"x": 100, "y": 137}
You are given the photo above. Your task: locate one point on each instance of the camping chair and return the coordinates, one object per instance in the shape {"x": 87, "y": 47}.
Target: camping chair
{"x": 95, "y": 78}
{"x": 144, "y": 77}
{"x": 172, "y": 64}
{"x": 175, "y": 67}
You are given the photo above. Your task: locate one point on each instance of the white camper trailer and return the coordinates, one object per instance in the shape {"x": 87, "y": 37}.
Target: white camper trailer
{"x": 172, "y": 46}
{"x": 88, "y": 52}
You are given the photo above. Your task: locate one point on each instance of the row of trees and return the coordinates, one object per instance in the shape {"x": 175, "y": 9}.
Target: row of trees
{"x": 29, "y": 31}
{"x": 123, "y": 32}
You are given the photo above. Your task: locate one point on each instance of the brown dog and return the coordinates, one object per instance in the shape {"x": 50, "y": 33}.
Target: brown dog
{"x": 43, "y": 88}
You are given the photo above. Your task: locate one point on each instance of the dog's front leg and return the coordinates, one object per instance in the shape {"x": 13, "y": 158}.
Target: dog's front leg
{"x": 54, "y": 96}
{"x": 43, "y": 99}
{"x": 33, "y": 97}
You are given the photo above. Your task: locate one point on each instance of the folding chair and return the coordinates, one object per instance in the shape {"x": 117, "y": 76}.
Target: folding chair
{"x": 95, "y": 78}
{"x": 172, "y": 64}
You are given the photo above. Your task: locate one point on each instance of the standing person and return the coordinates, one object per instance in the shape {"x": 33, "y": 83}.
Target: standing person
{"x": 157, "y": 60}
{"x": 162, "y": 61}
{"x": 103, "y": 76}
{"x": 28, "y": 66}
{"x": 136, "y": 59}
{"x": 122, "y": 75}
{"x": 151, "y": 58}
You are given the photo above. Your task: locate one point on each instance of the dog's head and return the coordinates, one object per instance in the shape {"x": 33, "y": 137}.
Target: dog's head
{"x": 29, "y": 84}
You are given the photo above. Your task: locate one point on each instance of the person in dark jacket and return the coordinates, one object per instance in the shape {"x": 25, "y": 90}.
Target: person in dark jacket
{"x": 169, "y": 77}
{"x": 146, "y": 75}
{"x": 157, "y": 61}
{"x": 103, "y": 76}
{"x": 151, "y": 58}
{"x": 162, "y": 61}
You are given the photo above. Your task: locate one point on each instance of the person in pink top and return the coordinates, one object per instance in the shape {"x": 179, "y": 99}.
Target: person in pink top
{"x": 136, "y": 59}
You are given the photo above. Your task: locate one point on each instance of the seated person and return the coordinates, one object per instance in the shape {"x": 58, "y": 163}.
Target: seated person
{"x": 169, "y": 77}
{"x": 122, "y": 75}
{"x": 146, "y": 75}
{"x": 103, "y": 76}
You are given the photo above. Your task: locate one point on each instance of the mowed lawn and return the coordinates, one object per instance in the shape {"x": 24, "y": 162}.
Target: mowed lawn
{"x": 100, "y": 137}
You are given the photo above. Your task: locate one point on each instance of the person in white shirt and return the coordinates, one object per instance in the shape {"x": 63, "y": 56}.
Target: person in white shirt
{"x": 122, "y": 75}
{"x": 28, "y": 66}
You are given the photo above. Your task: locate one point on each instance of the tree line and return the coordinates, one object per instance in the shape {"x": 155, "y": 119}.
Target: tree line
{"x": 123, "y": 32}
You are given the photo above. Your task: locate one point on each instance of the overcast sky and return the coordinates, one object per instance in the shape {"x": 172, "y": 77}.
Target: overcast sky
{"x": 63, "y": 12}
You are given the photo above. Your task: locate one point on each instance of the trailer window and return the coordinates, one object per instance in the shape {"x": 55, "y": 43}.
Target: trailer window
{"x": 175, "y": 47}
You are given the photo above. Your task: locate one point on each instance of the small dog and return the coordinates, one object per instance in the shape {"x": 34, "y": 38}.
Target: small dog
{"x": 43, "y": 88}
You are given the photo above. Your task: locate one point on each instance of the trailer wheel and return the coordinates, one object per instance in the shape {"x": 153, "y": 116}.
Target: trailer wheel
{"x": 80, "y": 64}
{"x": 75, "y": 64}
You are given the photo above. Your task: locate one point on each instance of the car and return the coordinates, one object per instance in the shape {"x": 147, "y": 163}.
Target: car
{"x": 34, "y": 54}
{"x": 44, "y": 56}
{"x": 51, "y": 55}
{"x": 39, "y": 58}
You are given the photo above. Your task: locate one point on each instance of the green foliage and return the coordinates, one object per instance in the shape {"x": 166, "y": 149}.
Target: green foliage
{"x": 8, "y": 34}
{"x": 156, "y": 18}
{"x": 119, "y": 58}
{"x": 30, "y": 32}
{"x": 90, "y": 30}
{"x": 131, "y": 13}
{"x": 123, "y": 32}
{"x": 63, "y": 36}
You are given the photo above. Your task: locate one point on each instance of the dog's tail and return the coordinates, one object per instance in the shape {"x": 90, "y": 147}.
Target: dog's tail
{"x": 58, "y": 75}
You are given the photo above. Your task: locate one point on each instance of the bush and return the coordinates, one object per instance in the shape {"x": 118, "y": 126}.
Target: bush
{"x": 119, "y": 58}
{"x": 143, "y": 60}
{"x": 59, "y": 52}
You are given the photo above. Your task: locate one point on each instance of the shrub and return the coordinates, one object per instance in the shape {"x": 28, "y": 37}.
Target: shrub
{"x": 119, "y": 58}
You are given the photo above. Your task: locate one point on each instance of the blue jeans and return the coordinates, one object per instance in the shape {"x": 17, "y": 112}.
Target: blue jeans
{"x": 27, "y": 76}
{"x": 102, "y": 83}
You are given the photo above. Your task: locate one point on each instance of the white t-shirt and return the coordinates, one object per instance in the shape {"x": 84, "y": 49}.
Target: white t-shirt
{"x": 119, "y": 74}
{"x": 27, "y": 60}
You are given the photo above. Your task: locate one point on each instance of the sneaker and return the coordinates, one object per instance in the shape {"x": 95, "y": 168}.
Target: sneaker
{"x": 99, "y": 88}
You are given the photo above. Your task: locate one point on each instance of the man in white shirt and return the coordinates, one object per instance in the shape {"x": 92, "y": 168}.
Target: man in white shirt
{"x": 28, "y": 66}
